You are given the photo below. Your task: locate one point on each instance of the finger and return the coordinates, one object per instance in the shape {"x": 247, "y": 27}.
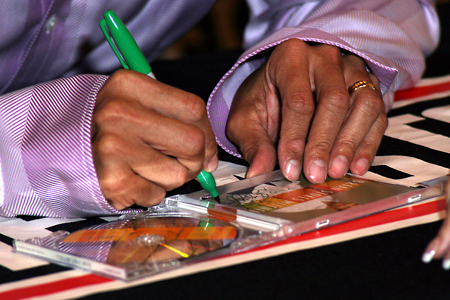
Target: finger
{"x": 117, "y": 159}
{"x": 332, "y": 108}
{"x": 123, "y": 188}
{"x": 262, "y": 160}
{"x": 186, "y": 107}
{"x": 182, "y": 141}
{"x": 165, "y": 100}
{"x": 291, "y": 77}
{"x": 136, "y": 191}
{"x": 366, "y": 151}
{"x": 197, "y": 116}
{"x": 252, "y": 127}
{"x": 439, "y": 247}
{"x": 362, "y": 131}
{"x": 255, "y": 145}
{"x": 446, "y": 260}
{"x": 133, "y": 123}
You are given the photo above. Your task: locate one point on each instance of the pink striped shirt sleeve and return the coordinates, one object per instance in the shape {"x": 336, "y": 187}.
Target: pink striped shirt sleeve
{"x": 46, "y": 159}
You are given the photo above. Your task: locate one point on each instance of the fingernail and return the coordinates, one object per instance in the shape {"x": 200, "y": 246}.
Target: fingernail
{"x": 446, "y": 264}
{"x": 428, "y": 256}
{"x": 362, "y": 166}
{"x": 213, "y": 163}
{"x": 292, "y": 170}
{"x": 430, "y": 251}
{"x": 339, "y": 166}
{"x": 317, "y": 171}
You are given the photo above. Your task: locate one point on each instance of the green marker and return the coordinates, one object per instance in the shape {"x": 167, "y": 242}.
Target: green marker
{"x": 208, "y": 184}
{"x": 131, "y": 58}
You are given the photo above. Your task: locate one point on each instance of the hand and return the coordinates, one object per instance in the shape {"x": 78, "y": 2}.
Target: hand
{"x": 298, "y": 101}
{"x": 439, "y": 247}
{"x": 148, "y": 138}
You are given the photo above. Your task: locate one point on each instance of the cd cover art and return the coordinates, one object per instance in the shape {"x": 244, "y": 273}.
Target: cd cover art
{"x": 271, "y": 202}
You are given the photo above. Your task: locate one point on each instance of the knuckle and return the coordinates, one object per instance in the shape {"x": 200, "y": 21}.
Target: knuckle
{"x": 118, "y": 75}
{"x": 157, "y": 195}
{"x": 195, "y": 107}
{"x": 180, "y": 177}
{"x": 339, "y": 100}
{"x": 108, "y": 144}
{"x": 292, "y": 42}
{"x": 150, "y": 195}
{"x": 119, "y": 204}
{"x": 296, "y": 102}
{"x": 369, "y": 145}
{"x": 292, "y": 46}
{"x": 329, "y": 54}
{"x": 121, "y": 78}
{"x": 124, "y": 80}
{"x": 320, "y": 147}
{"x": 111, "y": 111}
{"x": 194, "y": 144}
{"x": 233, "y": 129}
{"x": 294, "y": 147}
{"x": 113, "y": 186}
{"x": 230, "y": 131}
{"x": 331, "y": 51}
{"x": 117, "y": 80}
{"x": 347, "y": 145}
{"x": 372, "y": 104}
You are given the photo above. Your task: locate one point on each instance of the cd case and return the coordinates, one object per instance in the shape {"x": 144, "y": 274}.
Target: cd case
{"x": 185, "y": 229}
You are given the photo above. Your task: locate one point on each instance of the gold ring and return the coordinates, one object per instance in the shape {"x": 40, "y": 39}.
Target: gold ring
{"x": 360, "y": 84}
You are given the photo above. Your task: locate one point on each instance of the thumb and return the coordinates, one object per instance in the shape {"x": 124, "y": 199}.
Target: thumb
{"x": 262, "y": 159}
{"x": 257, "y": 149}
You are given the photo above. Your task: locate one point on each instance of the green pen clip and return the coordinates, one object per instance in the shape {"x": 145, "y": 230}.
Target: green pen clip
{"x": 123, "y": 44}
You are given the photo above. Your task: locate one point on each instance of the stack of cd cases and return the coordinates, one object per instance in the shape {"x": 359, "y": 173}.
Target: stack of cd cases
{"x": 185, "y": 229}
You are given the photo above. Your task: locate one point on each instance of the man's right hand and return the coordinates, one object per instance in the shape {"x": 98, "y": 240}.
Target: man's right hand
{"x": 148, "y": 138}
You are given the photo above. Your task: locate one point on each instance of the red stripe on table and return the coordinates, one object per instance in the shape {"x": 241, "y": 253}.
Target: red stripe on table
{"x": 54, "y": 287}
{"x": 421, "y": 91}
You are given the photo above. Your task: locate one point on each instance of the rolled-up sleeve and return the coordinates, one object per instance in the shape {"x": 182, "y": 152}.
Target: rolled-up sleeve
{"x": 45, "y": 157}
